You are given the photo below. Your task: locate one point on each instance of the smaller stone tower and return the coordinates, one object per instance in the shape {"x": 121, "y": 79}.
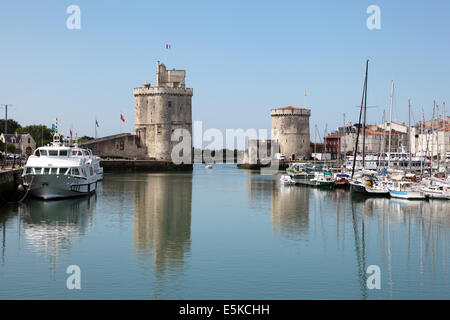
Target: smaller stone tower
{"x": 161, "y": 109}
{"x": 290, "y": 127}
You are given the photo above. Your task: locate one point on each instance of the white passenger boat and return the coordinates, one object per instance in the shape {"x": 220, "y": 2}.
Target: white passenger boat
{"x": 406, "y": 190}
{"x": 60, "y": 171}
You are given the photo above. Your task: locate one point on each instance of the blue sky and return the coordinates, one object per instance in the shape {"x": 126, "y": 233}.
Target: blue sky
{"x": 242, "y": 58}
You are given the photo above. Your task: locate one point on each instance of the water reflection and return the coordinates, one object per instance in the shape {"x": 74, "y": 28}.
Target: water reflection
{"x": 162, "y": 221}
{"x": 398, "y": 235}
{"x": 51, "y": 226}
{"x": 290, "y": 211}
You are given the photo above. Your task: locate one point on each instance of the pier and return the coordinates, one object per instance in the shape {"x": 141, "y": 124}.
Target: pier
{"x": 123, "y": 165}
{"x": 9, "y": 180}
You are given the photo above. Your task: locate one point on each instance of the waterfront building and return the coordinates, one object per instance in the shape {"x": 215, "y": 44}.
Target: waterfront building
{"x": 23, "y": 143}
{"x": 159, "y": 111}
{"x": 290, "y": 129}
{"x": 162, "y": 109}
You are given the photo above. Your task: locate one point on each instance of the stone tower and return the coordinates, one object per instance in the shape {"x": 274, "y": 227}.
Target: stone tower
{"x": 290, "y": 127}
{"x": 161, "y": 109}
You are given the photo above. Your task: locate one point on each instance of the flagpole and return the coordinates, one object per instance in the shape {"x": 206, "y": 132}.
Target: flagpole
{"x": 95, "y": 126}
{"x": 304, "y": 100}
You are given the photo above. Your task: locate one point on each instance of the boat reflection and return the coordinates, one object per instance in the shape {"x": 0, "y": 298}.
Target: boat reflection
{"x": 50, "y": 227}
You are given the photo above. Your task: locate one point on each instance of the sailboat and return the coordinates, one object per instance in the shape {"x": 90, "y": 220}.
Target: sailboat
{"x": 358, "y": 183}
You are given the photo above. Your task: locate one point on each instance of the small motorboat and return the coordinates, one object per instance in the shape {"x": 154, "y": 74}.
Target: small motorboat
{"x": 287, "y": 180}
{"x": 208, "y": 166}
{"x": 406, "y": 190}
{"x": 342, "y": 180}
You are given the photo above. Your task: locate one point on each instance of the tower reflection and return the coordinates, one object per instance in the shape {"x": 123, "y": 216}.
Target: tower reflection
{"x": 162, "y": 220}
{"x": 290, "y": 211}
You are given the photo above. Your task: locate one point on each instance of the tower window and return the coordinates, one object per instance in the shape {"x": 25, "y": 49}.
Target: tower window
{"x": 169, "y": 104}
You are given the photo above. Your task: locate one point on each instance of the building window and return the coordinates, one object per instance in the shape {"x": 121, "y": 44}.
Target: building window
{"x": 169, "y": 104}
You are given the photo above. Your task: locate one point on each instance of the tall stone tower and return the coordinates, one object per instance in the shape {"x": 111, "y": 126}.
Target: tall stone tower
{"x": 161, "y": 109}
{"x": 290, "y": 127}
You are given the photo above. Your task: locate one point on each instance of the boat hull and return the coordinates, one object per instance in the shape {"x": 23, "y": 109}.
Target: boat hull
{"x": 357, "y": 188}
{"x": 49, "y": 187}
{"x": 410, "y": 195}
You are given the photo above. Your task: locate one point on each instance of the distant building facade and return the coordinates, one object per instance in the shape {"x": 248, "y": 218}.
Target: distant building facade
{"x": 342, "y": 142}
{"x": 24, "y": 143}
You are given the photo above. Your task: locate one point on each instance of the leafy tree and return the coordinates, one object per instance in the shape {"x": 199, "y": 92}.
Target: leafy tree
{"x": 12, "y": 125}
{"x": 84, "y": 139}
{"x": 40, "y": 133}
{"x": 10, "y": 148}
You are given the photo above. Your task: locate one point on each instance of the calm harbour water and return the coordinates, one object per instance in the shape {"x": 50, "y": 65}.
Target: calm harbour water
{"x": 223, "y": 233}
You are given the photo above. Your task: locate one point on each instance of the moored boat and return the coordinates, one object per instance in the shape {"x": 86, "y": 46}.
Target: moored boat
{"x": 60, "y": 171}
{"x": 406, "y": 190}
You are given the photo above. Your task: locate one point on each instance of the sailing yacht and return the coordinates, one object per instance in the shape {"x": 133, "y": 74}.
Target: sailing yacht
{"x": 60, "y": 171}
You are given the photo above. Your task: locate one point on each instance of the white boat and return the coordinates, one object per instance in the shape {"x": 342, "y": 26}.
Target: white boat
{"x": 436, "y": 190}
{"x": 209, "y": 166}
{"x": 406, "y": 190}
{"x": 285, "y": 179}
{"x": 60, "y": 171}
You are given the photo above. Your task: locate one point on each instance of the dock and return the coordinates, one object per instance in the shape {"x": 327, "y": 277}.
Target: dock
{"x": 9, "y": 180}
{"x": 123, "y": 165}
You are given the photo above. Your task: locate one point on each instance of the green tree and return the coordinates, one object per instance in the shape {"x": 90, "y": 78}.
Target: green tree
{"x": 10, "y": 148}
{"x": 84, "y": 139}
{"x": 12, "y": 125}
{"x": 40, "y": 133}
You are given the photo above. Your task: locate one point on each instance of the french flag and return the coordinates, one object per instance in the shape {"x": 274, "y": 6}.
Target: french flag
{"x": 168, "y": 46}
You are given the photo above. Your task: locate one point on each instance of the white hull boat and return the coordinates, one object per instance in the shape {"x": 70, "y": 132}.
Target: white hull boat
{"x": 60, "y": 171}
{"x": 287, "y": 180}
{"x": 406, "y": 190}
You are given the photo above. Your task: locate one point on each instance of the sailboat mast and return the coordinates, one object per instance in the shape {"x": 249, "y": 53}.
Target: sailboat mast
{"x": 421, "y": 145}
{"x": 390, "y": 124}
{"x": 444, "y": 121}
{"x": 315, "y": 145}
{"x": 381, "y": 143}
{"x": 409, "y": 132}
{"x": 364, "y": 119}
{"x": 432, "y": 139}
{"x": 355, "y": 153}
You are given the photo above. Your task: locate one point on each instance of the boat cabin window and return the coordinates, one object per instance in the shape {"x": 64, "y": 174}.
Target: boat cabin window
{"x": 46, "y": 170}
{"x": 53, "y": 152}
{"x": 63, "y": 153}
{"x": 91, "y": 171}
{"x": 74, "y": 153}
{"x": 43, "y": 152}
{"x": 62, "y": 170}
{"x": 28, "y": 170}
{"x": 75, "y": 171}
{"x": 37, "y": 170}
{"x": 79, "y": 153}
